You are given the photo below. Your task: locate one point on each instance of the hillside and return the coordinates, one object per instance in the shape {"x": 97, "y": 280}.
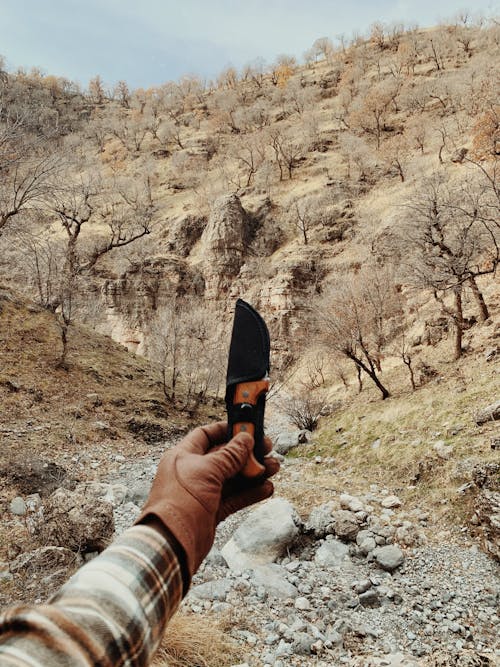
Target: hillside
{"x": 353, "y": 199}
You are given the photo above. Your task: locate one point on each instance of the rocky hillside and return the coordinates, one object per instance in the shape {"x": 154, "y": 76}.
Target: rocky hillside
{"x": 353, "y": 199}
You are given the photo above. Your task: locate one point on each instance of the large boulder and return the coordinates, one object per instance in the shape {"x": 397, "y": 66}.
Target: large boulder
{"x": 79, "y": 523}
{"x": 263, "y": 536}
{"x": 320, "y": 521}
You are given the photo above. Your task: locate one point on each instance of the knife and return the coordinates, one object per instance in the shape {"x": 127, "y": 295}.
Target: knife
{"x": 247, "y": 381}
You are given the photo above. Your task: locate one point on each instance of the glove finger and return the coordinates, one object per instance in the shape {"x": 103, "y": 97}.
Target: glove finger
{"x": 272, "y": 466}
{"x": 245, "y": 499}
{"x": 268, "y": 445}
{"x": 231, "y": 458}
{"x": 201, "y": 439}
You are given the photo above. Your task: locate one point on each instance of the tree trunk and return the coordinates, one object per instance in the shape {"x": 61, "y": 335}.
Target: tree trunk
{"x": 360, "y": 379}
{"x": 481, "y": 303}
{"x": 64, "y": 339}
{"x": 459, "y": 322}
{"x": 373, "y": 377}
{"x": 407, "y": 362}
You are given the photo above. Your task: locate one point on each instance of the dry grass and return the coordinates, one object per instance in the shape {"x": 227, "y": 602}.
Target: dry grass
{"x": 391, "y": 443}
{"x": 194, "y": 641}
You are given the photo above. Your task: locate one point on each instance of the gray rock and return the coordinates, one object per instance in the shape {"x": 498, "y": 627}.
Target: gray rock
{"x": 263, "y": 536}
{"x": 137, "y": 493}
{"x": 320, "y": 521}
{"x": 370, "y": 599}
{"x": 490, "y": 413}
{"x": 116, "y": 494}
{"x": 391, "y": 501}
{"x": 17, "y": 506}
{"x": 365, "y": 541}
{"x": 273, "y": 579}
{"x": 389, "y": 557}
{"x": 332, "y": 553}
{"x": 302, "y": 603}
{"x": 443, "y": 450}
{"x": 345, "y": 524}
{"x": 302, "y": 643}
{"x": 212, "y": 590}
{"x": 362, "y": 586}
{"x": 284, "y": 442}
{"x": 351, "y": 503}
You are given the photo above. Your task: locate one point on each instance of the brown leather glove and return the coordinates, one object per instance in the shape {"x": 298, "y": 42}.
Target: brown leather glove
{"x": 196, "y": 486}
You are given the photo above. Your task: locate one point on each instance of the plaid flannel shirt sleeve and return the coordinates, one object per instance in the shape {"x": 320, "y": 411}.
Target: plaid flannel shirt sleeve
{"x": 112, "y": 612}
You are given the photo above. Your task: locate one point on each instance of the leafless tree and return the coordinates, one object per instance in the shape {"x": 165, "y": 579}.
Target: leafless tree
{"x": 80, "y": 205}
{"x": 450, "y": 237}
{"x": 357, "y": 318}
{"x": 25, "y": 180}
{"x": 288, "y": 148}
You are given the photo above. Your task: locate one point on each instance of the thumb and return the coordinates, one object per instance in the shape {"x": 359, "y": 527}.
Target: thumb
{"x": 231, "y": 458}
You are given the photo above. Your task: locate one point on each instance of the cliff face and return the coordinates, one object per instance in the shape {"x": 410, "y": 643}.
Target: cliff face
{"x": 229, "y": 258}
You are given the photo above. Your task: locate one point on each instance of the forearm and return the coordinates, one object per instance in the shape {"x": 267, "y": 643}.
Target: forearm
{"x": 113, "y": 611}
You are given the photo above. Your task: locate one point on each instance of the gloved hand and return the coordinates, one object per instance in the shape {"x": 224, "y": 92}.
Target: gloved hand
{"x": 196, "y": 486}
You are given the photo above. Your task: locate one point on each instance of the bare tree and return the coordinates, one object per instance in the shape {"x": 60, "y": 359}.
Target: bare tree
{"x": 81, "y": 205}
{"x": 288, "y": 149}
{"x": 302, "y": 217}
{"x": 356, "y": 318}
{"x": 449, "y": 238}
{"x": 25, "y": 182}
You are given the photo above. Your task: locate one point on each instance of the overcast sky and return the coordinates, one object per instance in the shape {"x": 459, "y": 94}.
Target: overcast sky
{"x": 147, "y": 42}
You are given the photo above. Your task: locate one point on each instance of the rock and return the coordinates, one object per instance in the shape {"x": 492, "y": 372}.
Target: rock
{"x": 273, "y": 579}
{"x": 302, "y": 603}
{"x": 137, "y": 493}
{"x": 225, "y": 242}
{"x": 491, "y": 353}
{"x": 351, "y": 503}
{"x": 366, "y": 541}
{"x": 345, "y": 524}
{"x": 320, "y": 521}
{"x": 443, "y": 450}
{"x": 332, "y": 553}
{"x": 487, "y": 515}
{"x": 370, "y": 599}
{"x": 263, "y": 536}
{"x": 212, "y": 590}
{"x": 389, "y": 557}
{"x": 45, "y": 559}
{"x": 284, "y": 442}
{"x": 75, "y": 521}
{"x": 391, "y": 501}
{"x": 17, "y": 506}
{"x": 490, "y": 413}
{"x": 362, "y": 586}
{"x": 302, "y": 643}
{"x": 304, "y": 436}
{"x": 116, "y": 494}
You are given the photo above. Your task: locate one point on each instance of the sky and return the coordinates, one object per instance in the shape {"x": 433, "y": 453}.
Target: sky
{"x": 149, "y": 42}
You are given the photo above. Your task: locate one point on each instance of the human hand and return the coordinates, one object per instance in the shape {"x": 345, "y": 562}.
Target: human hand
{"x": 197, "y": 485}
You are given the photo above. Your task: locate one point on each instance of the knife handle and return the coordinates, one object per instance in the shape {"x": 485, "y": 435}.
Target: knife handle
{"x": 246, "y": 415}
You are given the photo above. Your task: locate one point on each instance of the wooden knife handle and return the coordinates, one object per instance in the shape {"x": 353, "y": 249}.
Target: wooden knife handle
{"x": 250, "y": 394}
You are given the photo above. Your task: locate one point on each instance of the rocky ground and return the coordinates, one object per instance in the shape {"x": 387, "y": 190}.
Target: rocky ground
{"x": 361, "y": 580}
